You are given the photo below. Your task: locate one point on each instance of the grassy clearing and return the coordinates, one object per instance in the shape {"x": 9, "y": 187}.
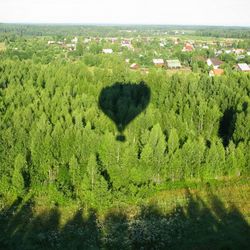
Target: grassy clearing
{"x": 230, "y": 194}
{"x": 2, "y": 47}
{"x": 202, "y": 216}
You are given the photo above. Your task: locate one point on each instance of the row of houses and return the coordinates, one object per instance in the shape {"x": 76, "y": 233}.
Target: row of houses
{"x": 70, "y": 46}
{"x": 240, "y": 53}
{"x": 124, "y": 44}
{"x": 237, "y": 52}
{"x": 160, "y": 63}
{"x": 215, "y": 63}
{"x": 172, "y": 64}
{"x": 188, "y": 47}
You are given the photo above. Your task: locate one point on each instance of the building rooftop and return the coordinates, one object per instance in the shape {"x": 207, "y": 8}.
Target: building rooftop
{"x": 158, "y": 61}
{"x": 107, "y": 51}
{"x": 218, "y": 71}
{"x": 173, "y": 63}
{"x": 215, "y": 61}
{"x": 243, "y": 67}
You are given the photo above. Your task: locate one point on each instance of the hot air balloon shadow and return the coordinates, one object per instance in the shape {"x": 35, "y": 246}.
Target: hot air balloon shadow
{"x": 122, "y": 102}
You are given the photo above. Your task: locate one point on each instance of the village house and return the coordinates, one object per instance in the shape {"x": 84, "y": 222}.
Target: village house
{"x": 158, "y": 62}
{"x": 228, "y": 43}
{"x": 87, "y": 40}
{"x": 218, "y": 52}
{"x": 205, "y": 47}
{"x": 173, "y": 64}
{"x": 127, "y": 44}
{"x": 134, "y": 66}
{"x": 107, "y": 51}
{"x": 51, "y": 42}
{"x": 228, "y": 51}
{"x": 216, "y": 72}
{"x": 113, "y": 40}
{"x": 239, "y": 51}
{"x": 243, "y": 67}
{"x": 188, "y": 47}
{"x": 214, "y": 62}
{"x": 176, "y": 41}
{"x": 211, "y": 43}
{"x": 74, "y": 40}
{"x": 97, "y": 39}
{"x": 162, "y": 44}
{"x": 71, "y": 46}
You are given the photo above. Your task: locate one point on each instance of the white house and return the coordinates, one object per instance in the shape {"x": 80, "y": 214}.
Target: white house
{"x": 162, "y": 44}
{"x": 158, "y": 62}
{"x": 113, "y": 39}
{"x": 218, "y": 52}
{"x": 51, "y": 42}
{"x": 107, "y": 51}
{"x": 173, "y": 64}
{"x": 127, "y": 43}
{"x": 239, "y": 51}
{"x": 71, "y": 46}
{"x": 134, "y": 66}
{"x": 87, "y": 40}
{"x": 243, "y": 67}
{"x": 228, "y": 51}
{"x": 74, "y": 40}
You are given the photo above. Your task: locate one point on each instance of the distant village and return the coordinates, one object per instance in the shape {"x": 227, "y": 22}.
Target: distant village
{"x": 170, "y": 53}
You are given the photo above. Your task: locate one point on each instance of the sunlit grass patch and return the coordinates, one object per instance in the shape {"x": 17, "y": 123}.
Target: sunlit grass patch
{"x": 2, "y": 47}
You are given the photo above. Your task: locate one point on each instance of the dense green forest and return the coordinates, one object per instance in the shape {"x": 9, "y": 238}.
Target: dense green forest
{"x": 16, "y": 30}
{"x": 99, "y": 135}
{"x": 54, "y": 135}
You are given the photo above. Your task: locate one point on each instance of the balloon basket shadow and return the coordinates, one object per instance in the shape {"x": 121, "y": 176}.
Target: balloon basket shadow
{"x": 121, "y": 138}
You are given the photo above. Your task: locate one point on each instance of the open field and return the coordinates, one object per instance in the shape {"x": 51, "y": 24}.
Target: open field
{"x": 210, "y": 216}
{"x": 2, "y": 47}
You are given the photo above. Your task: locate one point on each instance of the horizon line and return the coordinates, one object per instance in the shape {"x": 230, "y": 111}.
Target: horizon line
{"x": 127, "y": 24}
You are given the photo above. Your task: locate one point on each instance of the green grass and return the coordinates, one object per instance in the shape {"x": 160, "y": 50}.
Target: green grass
{"x": 191, "y": 215}
{"x": 2, "y": 47}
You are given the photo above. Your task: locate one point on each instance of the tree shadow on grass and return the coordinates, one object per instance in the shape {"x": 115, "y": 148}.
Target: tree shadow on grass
{"x": 81, "y": 232}
{"x": 200, "y": 224}
{"x": 122, "y": 102}
{"x": 21, "y": 228}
